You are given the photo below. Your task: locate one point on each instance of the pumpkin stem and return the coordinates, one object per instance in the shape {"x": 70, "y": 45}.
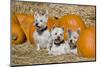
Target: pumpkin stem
{"x": 56, "y": 18}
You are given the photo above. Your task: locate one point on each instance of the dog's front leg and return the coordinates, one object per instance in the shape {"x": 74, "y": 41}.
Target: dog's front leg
{"x": 37, "y": 45}
{"x": 50, "y": 52}
{"x": 48, "y": 47}
{"x": 55, "y": 53}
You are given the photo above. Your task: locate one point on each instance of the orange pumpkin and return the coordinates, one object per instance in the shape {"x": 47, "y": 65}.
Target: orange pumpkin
{"x": 18, "y": 35}
{"x": 86, "y": 43}
{"x": 26, "y": 22}
{"x": 71, "y": 21}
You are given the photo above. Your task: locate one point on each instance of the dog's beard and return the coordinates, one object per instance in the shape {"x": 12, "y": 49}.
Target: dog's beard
{"x": 40, "y": 27}
{"x": 40, "y": 30}
{"x": 57, "y": 40}
{"x": 72, "y": 45}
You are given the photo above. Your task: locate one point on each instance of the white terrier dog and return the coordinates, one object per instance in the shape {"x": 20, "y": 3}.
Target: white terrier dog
{"x": 59, "y": 46}
{"x": 72, "y": 39}
{"x": 41, "y": 35}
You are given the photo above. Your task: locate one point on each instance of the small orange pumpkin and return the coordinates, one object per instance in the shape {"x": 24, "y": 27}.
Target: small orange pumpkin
{"x": 71, "y": 21}
{"x": 18, "y": 35}
{"x": 86, "y": 43}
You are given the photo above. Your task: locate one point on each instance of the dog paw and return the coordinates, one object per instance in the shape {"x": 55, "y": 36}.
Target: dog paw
{"x": 38, "y": 49}
{"x": 48, "y": 49}
{"x": 49, "y": 53}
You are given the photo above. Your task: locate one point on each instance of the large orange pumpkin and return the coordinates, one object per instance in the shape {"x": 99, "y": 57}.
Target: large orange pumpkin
{"x": 18, "y": 35}
{"x": 86, "y": 43}
{"x": 26, "y": 22}
{"x": 71, "y": 21}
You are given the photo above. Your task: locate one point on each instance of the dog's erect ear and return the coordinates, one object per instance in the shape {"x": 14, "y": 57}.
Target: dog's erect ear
{"x": 36, "y": 14}
{"x": 53, "y": 26}
{"x": 78, "y": 30}
{"x": 63, "y": 28}
{"x": 69, "y": 31}
{"x": 46, "y": 13}
{"x": 31, "y": 11}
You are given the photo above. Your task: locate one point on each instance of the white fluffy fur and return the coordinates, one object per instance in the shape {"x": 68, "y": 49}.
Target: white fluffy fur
{"x": 60, "y": 50}
{"x": 63, "y": 48}
{"x": 74, "y": 51}
{"x": 42, "y": 41}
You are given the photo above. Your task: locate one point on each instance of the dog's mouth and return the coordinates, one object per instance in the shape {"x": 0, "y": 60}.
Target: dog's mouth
{"x": 58, "y": 39}
{"x": 58, "y": 42}
{"x": 38, "y": 27}
{"x": 72, "y": 45}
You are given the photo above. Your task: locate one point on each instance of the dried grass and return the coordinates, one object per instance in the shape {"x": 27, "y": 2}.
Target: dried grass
{"x": 26, "y": 54}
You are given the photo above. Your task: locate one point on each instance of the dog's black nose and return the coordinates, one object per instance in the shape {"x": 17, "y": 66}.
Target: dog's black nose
{"x": 36, "y": 24}
{"x": 70, "y": 40}
{"x": 58, "y": 37}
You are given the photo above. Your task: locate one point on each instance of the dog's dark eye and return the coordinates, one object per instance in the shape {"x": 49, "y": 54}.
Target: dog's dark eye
{"x": 40, "y": 20}
{"x": 61, "y": 34}
{"x": 75, "y": 37}
{"x": 55, "y": 33}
